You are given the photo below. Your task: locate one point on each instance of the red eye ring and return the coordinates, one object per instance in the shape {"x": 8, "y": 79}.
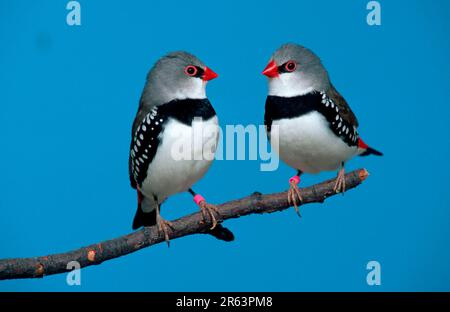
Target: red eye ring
{"x": 191, "y": 70}
{"x": 290, "y": 66}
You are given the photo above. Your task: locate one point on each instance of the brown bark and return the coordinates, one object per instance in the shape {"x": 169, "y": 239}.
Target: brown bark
{"x": 188, "y": 225}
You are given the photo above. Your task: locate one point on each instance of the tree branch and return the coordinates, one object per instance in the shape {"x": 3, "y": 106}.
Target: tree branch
{"x": 188, "y": 225}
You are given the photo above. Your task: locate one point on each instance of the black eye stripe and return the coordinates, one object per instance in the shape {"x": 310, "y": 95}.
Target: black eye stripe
{"x": 200, "y": 72}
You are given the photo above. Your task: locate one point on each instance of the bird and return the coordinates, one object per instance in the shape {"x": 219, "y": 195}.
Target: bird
{"x": 308, "y": 120}
{"x": 167, "y": 154}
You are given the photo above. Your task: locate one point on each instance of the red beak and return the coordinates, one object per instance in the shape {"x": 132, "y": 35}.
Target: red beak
{"x": 209, "y": 74}
{"x": 271, "y": 70}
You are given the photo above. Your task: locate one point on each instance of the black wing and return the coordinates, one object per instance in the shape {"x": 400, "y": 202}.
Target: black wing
{"x": 144, "y": 143}
{"x": 344, "y": 109}
{"x": 339, "y": 120}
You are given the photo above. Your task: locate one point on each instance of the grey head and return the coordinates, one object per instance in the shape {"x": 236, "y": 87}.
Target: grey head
{"x": 176, "y": 76}
{"x": 295, "y": 70}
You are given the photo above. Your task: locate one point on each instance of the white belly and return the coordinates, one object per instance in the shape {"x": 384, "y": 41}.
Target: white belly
{"x": 183, "y": 157}
{"x": 307, "y": 143}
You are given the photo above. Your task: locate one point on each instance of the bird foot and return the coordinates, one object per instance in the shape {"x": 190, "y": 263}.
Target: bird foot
{"x": 207, "y": 210}
{"x": 164, "y": 226}
{"x": 339, "y": 186}
{"x": 294, "y": 195}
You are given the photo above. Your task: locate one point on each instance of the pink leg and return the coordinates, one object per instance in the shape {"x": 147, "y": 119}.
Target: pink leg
{"x": 294, "y": 196}
{"x": 207, "y": 209}
{"x": 339, "y": 186}
{"x": 163, "y": 226}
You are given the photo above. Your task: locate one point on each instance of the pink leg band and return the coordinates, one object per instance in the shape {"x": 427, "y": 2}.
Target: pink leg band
{"x": 198, "y": 199}
{"x": 295, "y": 179}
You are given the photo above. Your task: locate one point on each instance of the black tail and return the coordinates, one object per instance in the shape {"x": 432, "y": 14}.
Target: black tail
{"x": 371, "y": 151}
{"x": 144, "y": 218}
{"x": 221, "y": 233}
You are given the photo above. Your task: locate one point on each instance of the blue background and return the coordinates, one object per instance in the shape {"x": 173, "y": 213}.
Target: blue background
{"x": 68, "y": 96}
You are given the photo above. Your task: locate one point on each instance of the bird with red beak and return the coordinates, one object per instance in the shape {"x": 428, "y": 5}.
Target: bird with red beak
{"x": 174, "y": 95}
{"x": 307, "y": 118}
{"x": 271, "y": 70}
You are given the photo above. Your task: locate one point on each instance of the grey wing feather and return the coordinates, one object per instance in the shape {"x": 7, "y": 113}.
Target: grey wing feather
{"x": 143, "y": 110}
{"x": 344, "y": 109}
